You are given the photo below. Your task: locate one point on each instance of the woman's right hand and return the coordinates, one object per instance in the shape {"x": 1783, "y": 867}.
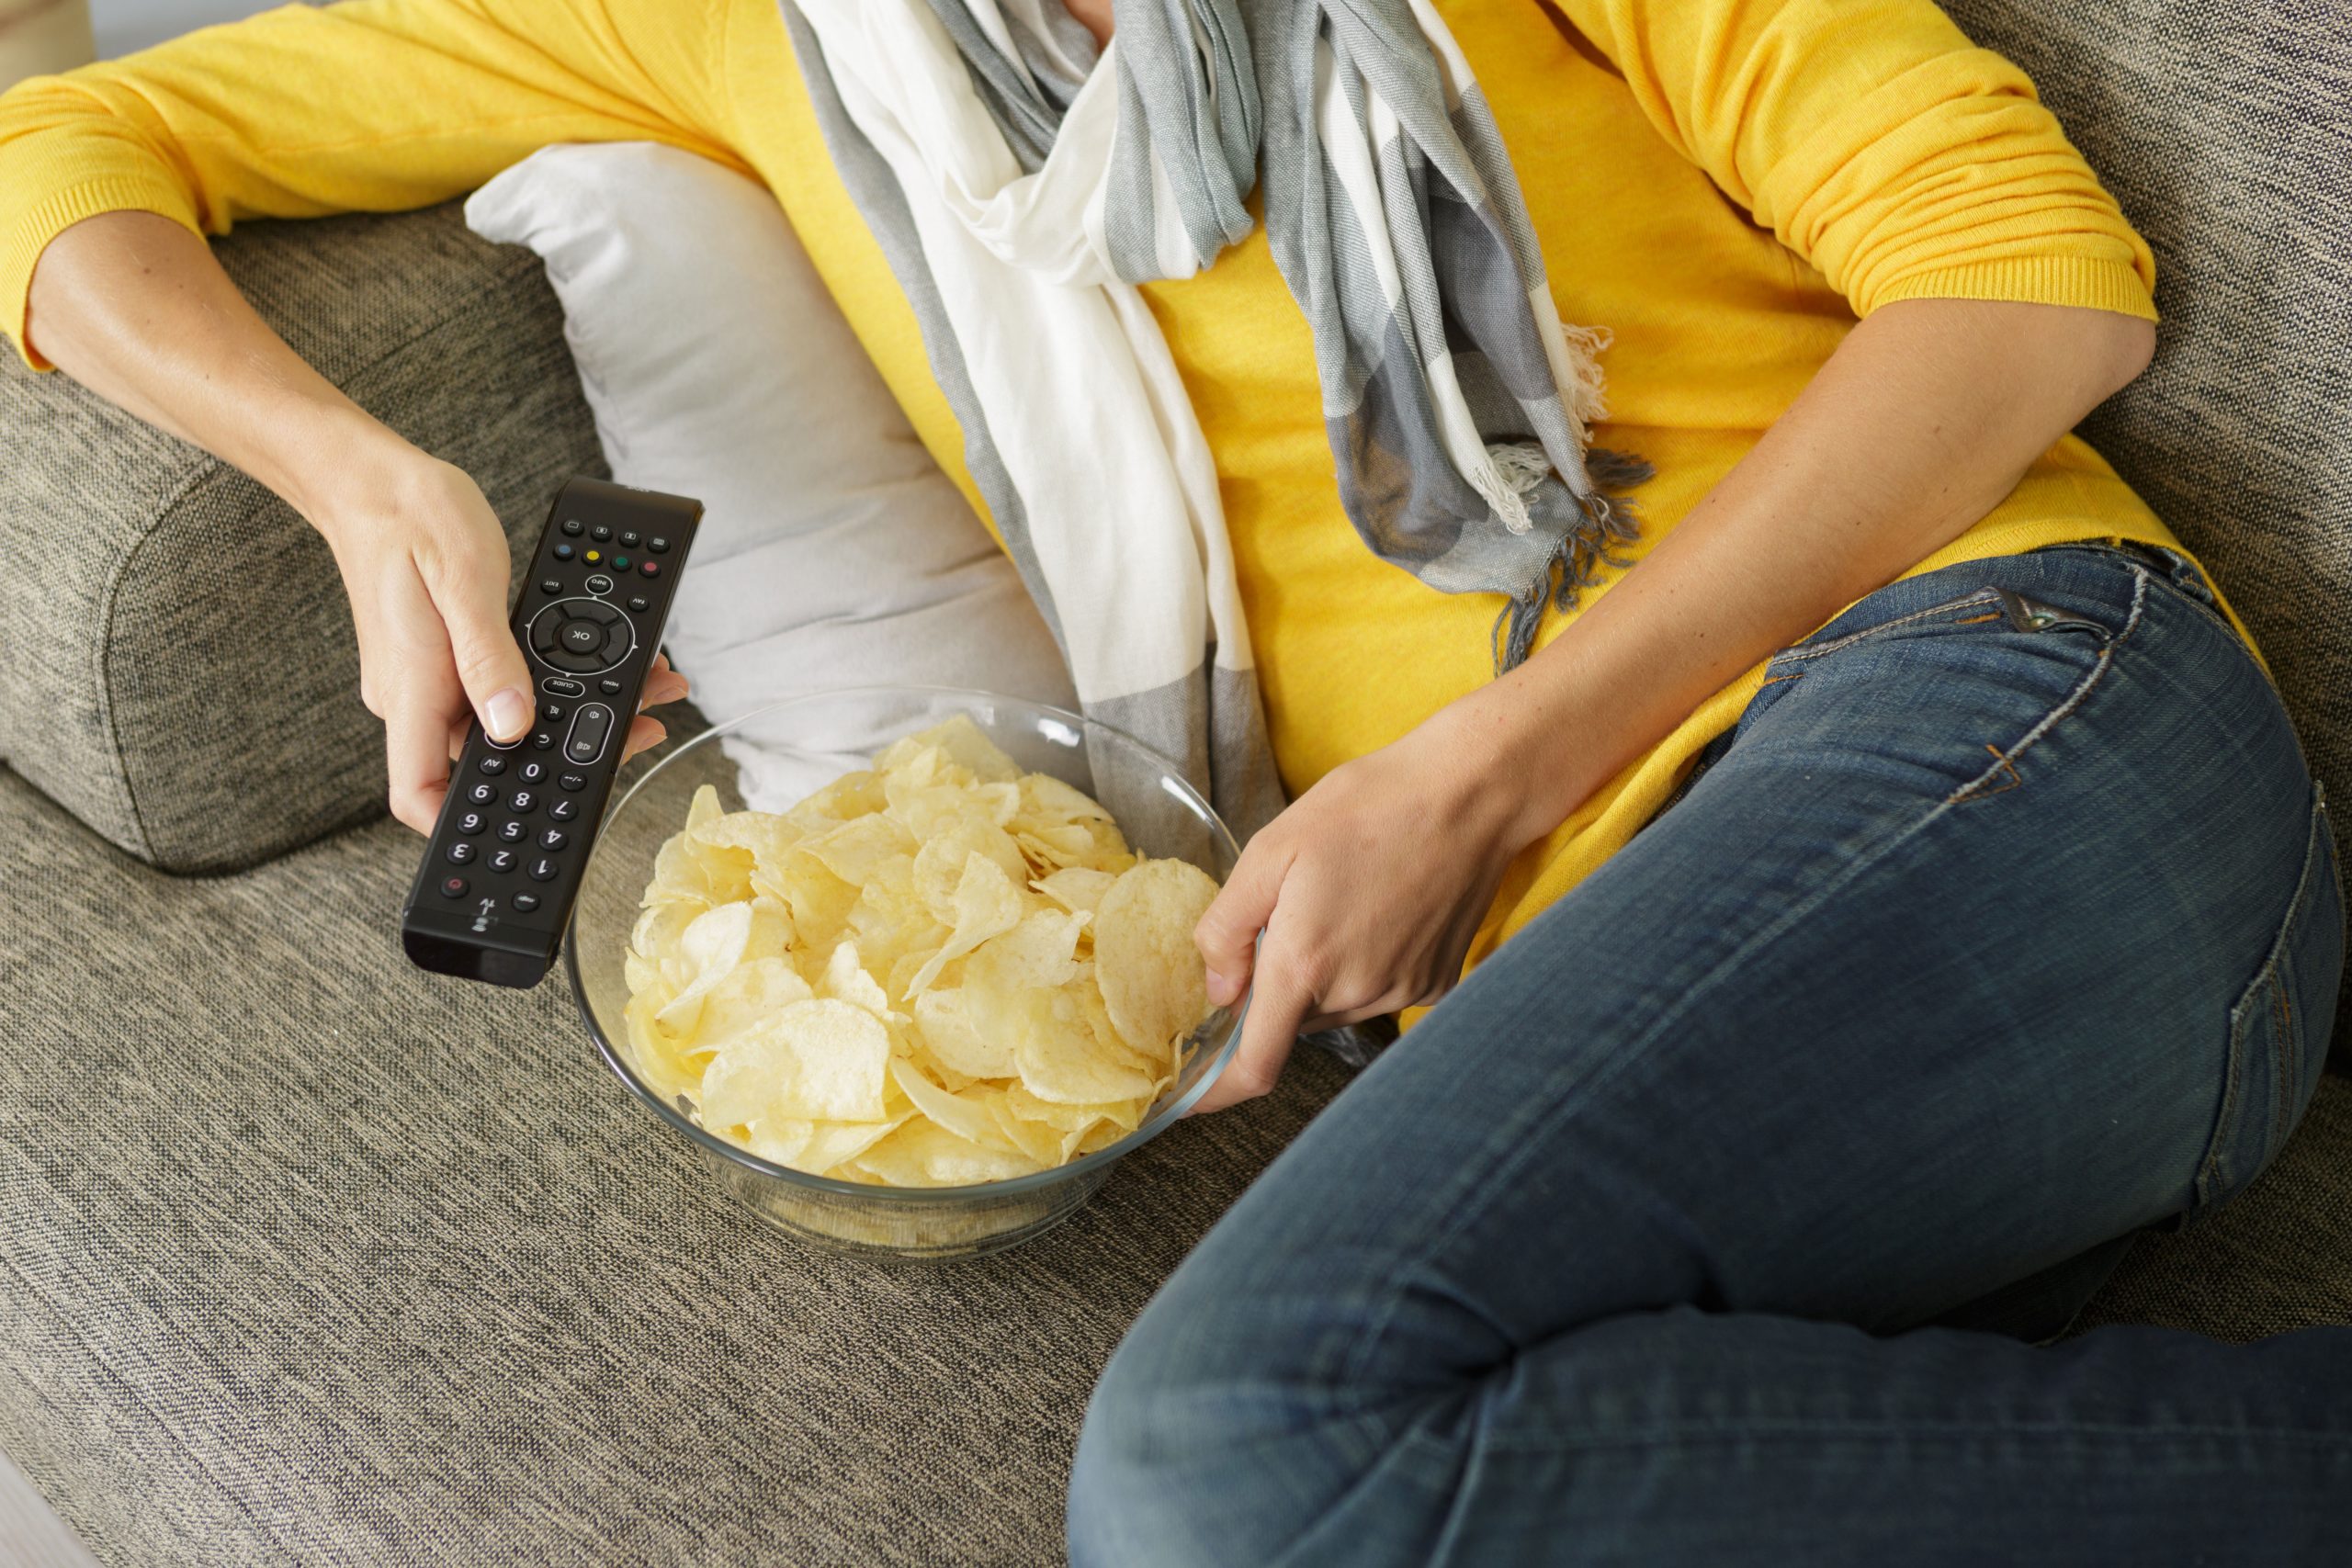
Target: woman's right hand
{"x": 424, "y": 562}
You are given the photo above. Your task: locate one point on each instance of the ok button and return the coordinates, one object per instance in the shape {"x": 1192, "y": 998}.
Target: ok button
{"x": 581, "y": 637}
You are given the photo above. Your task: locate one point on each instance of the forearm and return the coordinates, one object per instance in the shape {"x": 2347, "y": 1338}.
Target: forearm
{"x": 1923, "y": 420}
{"x": 135, "y": 307}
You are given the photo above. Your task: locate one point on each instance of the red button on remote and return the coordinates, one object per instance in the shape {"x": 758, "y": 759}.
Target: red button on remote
{"x": 651, "y": 568}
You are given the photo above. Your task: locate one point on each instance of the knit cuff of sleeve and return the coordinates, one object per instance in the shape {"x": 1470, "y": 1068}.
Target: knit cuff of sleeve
{"x": 52, "y": 215}
{"x": 2093, "y": 282}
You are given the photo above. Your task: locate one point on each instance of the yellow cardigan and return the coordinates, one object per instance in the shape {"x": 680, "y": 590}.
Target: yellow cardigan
{"x": 1727, "y": 185}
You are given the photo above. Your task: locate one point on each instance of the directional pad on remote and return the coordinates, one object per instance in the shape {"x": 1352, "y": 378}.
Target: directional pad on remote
{"x": 580, "y": 636}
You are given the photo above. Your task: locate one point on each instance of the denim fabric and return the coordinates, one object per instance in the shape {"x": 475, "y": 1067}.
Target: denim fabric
{"x": 2006, "y": 923}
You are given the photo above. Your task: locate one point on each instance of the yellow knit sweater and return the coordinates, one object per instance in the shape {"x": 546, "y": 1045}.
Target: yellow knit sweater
{"x": 1725, "y": 184}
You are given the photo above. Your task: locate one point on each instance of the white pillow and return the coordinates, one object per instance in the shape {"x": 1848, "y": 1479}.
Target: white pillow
{"x": 834, "y": 551}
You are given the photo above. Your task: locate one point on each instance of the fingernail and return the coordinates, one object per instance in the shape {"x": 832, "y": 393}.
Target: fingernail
{"x": 1221, "y": 990}
{"x": 507, "y": 715}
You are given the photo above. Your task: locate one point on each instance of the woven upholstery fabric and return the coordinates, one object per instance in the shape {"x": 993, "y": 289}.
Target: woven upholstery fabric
{"x": 2276, "y": 1257}
{"x": 184, "y": 674}
{"x": 307, "y": 1257}
{"x": 2222, "y": 132}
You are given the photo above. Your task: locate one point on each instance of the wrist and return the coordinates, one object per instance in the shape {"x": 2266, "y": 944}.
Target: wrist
{"x": 1522, "y": 756}
{"x": 349, "y": 470}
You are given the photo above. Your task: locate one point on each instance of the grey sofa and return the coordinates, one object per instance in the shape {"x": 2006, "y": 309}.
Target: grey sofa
{"x": 307, "y": 1258}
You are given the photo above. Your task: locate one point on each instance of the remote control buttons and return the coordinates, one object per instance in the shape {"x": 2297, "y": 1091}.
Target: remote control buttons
{"x": 502, "y": 860}
{"x": 532, "y": 773}
{"x": 574, "y": 782}
{"x": 482, "y": 793}
{"x": 492, "y": 764}
{"x": 513, "y": 832}
{"x": 472, "y": 822}
{"x": 562, "y": 810}
{"x": 610, "y": 688}
{"x": 461, "y": 853}
{"x": 571, "y": 525}
{"x": 524, "y": 902}
{"x": 453, "y": 887}
{"x": 591, "y": 727}
{"x": 628, "y": 537}
{"x": 620, "y": 563}
{"x": 551, "y": 712}
{"x": 658, "y": 545}
{"x": 640, "y": 604}
{"x": 600, "y": 583}
{"x": 602, "y": 533}
{"x": 651, "y": 568}
{"x": 521, "y": 802}
{"x": 550, "y": 586}
{"x": 580, "y": 636}
{"x": 561, "y": 687}
{"x": 553, "y": 840}
{"x": 564, "y": 552}
{"x": 543, "y": 870}
{"x": 543, "y": 741}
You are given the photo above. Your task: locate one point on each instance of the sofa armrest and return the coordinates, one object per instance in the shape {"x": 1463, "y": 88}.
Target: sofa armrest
{"x": 186, "y": 678}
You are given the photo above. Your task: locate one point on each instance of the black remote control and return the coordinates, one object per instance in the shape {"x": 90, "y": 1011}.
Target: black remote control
{"x": 503, "y": 863}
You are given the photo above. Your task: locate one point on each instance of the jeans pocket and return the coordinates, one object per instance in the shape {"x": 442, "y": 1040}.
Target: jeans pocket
{"x": 1990, "y": 608}
{"x": 2280, "y": 1026}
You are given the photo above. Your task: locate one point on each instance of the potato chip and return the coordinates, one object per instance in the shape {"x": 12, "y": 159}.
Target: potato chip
{"x": 1077, "y": 888}
{"x": 944, "y": 1022}
{"x": 1150, "y": 974}
{"x": 1061, "y": 1058}
{"x": 757, "y": 990}
{"x": 988, "y": 904}
{"x": 820, "y": 1061}
{"x": 708, "y": 951}
{"x": 924, "y": 1154}
{"x": 934, "y": 972}
{"x": 818, "y": 1146}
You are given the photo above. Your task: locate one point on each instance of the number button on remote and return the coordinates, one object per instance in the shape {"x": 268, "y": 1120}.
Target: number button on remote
{"x": 472, "y": 822}
{"x": 543, "y": 870}
{"x": 521, "y": 802}
{"x": 482, "y": 793}
{"x": 553, "y": 840}
{"x": 560, "y": 809}
{"x": 461, "y": 853}
{"x": 502, "y": 860}
{"x": 513, "y": 832}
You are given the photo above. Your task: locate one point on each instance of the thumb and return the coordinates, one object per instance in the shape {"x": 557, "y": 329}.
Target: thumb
{"x": 489, "y": 664}
{"x": 1227, "y": 932}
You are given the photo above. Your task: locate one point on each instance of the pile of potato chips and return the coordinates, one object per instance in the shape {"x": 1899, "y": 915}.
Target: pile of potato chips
{"x": 934, "y": 972}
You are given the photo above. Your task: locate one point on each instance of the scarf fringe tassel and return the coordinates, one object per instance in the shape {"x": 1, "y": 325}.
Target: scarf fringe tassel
{"x": 1609, "y": 518}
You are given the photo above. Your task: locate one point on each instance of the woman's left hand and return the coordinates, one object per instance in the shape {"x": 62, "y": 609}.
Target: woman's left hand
{"x": 1369, "y": 889}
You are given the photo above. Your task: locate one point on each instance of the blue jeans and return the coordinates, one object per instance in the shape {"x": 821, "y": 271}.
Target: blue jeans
{"x": 2006, "y": 924}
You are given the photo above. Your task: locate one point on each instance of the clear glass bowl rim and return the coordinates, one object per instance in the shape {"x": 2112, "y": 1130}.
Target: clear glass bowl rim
{"x": 711, "y": 1143}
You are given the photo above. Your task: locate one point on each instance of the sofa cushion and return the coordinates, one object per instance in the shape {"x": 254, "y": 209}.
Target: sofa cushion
{"x": 185, "y": 677}
{"x": 307, "y": 1257}
{"x": 2222, "y": 131}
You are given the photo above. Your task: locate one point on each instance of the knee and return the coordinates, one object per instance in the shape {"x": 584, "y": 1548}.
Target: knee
{"x": 1194, "y": 1451}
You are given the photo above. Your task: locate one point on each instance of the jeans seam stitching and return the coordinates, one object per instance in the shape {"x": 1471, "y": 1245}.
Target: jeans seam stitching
{"x": 1975, "y": 788}
{"x": 2217, "y": 1165}
{"x": 1801, "y": 651}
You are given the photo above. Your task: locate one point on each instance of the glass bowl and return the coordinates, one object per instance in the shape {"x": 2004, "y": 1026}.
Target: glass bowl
{"x": 803, "y": 744}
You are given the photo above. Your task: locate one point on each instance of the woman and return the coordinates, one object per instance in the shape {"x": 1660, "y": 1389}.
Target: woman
{"x": 1890, "y": 887}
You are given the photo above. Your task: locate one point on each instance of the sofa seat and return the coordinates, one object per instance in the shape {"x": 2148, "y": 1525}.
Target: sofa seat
{"x": 314, "y": 1258}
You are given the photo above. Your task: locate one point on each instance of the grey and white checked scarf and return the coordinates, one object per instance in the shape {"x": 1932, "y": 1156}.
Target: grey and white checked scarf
{"x": 1021, "y": 186}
